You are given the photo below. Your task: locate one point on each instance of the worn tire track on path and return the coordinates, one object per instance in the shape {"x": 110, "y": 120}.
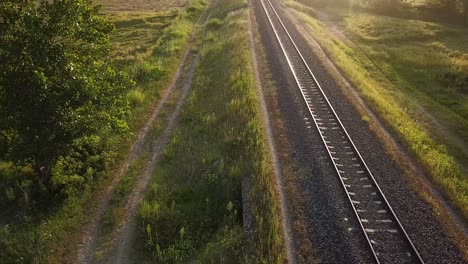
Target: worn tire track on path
{"x": 126, "y": 233}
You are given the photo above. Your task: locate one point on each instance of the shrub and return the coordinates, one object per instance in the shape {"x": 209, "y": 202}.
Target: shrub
{"x": 455, "y": 77}
{"x": 85, "y": 161}
{"x": 150, "y": 72}
{"x": 135, "y": 98}
{"x": 18, "y": 186}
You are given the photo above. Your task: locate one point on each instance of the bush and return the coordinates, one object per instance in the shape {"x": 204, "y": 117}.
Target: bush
{"x": 85, "y": 161}
{"x": 135, "y": 98}
{"x": 150, "y": 72}
{"x": 455, "y": 77}
{"x": 18, "y": 186}
{"x": 58, "y": 91}
{"x": 195, "y": 7}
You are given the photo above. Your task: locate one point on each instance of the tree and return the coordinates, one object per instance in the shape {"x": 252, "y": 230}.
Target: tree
{"x": 57, "y": 85}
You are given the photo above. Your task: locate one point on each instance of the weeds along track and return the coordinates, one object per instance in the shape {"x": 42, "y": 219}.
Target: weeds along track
{"x": 90, "y": 233}
{"x": 286, "y": 222}
{"x": 387, "y": 239}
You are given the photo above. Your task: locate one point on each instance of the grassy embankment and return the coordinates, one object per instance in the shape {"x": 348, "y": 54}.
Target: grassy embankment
{"x": 415, "y": 75}
{"x": 193, "y": 211}
{"x": 148, "y": 47}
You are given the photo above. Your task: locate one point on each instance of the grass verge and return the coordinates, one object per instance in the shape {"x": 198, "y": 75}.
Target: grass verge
{"x": 193, "y": 210}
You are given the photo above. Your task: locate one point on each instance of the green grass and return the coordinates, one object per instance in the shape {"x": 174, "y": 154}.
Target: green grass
{"x": 194, "y": 208}
{"x": 144, "y": 45}
{"x": 149, "y": 48}
{"x": 150, "y": 56}
{"x": 114, "y": 217}
{"x": 427, "y": 61}
{"x": 137, "y": 33}
{"x": 411, "y": 72}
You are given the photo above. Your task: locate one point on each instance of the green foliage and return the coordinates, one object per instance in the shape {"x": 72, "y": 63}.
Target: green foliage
{"x": 453, "y": 11}
{"x": 384, "y": 6}
{"x": 27, "y": 245}
{"x": 56, "y": 83}
{"x": 18, "y": 186}
{"x": 58, "y": 90}
{"x": 147, "y": 72}
{"x": 165, "y": 38}
{"x": 214, "y": 23}
{"x": 455, "y": 77}
{"x": 135, "y": 98}
{"x": 85, "y": 161}
{"x": 55, "y": 208}
{"x": 196, "y": 7}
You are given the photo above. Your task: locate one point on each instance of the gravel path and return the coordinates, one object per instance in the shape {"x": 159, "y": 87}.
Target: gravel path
{"x": 331, "y": 225}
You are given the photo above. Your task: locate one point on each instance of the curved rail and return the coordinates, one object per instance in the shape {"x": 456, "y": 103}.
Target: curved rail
{"x": 349, "y": 168}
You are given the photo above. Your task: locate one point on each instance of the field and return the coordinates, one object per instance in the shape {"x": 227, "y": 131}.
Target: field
{"x": 415, "y": 75}
{"x": 143, "y": 45}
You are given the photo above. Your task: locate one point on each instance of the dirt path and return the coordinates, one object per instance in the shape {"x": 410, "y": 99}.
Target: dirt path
{"x": 285, "y": 216}
{"x": 85, "y": 248}
{"x": 126, "y": 233}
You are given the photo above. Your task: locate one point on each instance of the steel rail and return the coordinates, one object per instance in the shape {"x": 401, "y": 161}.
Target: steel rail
{"x": 348, "y": 137}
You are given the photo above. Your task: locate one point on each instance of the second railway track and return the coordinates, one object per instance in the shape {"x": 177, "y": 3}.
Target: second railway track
{"x": 385, "y": 235}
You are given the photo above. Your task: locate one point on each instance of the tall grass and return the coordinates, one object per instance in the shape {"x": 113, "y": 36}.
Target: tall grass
{"x": 149, "y": 47}
{"x": 397, "y": 66}
{"x": 193, "y": 210}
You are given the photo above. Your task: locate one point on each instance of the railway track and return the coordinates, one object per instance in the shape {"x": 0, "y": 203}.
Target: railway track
{"x": 385, "y": 235}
